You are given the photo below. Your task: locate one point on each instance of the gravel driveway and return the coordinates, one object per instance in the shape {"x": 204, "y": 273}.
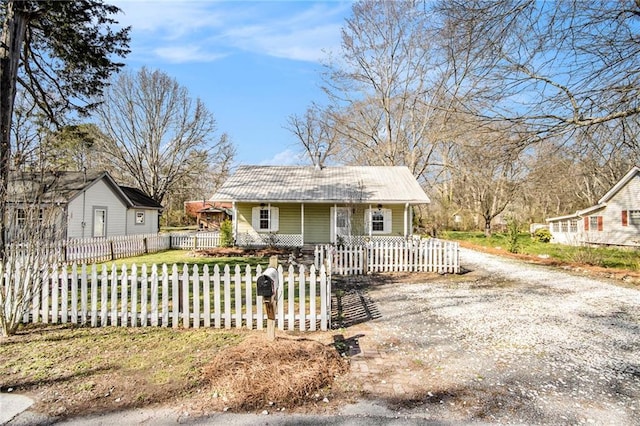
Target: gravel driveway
{"x": 507, "y": 342}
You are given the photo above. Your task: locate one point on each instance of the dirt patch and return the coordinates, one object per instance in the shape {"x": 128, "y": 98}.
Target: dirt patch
{"x": 243, "y": 252}
{"x": 262, "y": 374}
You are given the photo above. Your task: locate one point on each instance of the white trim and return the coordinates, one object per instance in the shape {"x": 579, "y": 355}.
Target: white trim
{"x": 302, "y": 222}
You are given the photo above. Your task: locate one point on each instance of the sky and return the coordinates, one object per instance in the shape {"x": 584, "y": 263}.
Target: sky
{"x": 253, "y": 63}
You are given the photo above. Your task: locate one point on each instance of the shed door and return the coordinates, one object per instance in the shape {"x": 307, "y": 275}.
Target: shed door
{"x": 340, "y": 223}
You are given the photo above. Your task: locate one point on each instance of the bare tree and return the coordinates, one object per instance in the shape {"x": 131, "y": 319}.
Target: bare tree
{"x": 157, "y": 136}
{"x": 380, "y": 89}
{"x": 555, "y": 66}
{"x": 316, "y": 133}
{"x": 489, "y": 173}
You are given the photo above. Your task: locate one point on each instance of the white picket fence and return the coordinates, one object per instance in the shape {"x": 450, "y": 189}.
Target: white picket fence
{"x": 429, "y": 255}
{"x": 180, "y": 297}
{"x": 195, "y": 241}
{"x": 105, "y": 249}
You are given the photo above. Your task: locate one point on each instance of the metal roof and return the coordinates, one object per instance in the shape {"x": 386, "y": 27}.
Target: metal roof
{"x": 314, "y": 185}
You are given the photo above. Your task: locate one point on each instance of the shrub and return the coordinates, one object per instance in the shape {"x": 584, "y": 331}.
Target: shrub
{"x": 226, "y": 233}
{"x": 513, "y": 233}
{"x": 588, "y": 256}
{"x": 542, "y": 235}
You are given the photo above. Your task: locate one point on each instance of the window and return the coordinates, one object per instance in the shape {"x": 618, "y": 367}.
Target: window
{"x": 99, "y": 222}
{"x": 139, "y": 218}
{"x": 593, "y": 223}
{"x": 564, "y": 225}
{"x": 555, "y": 226}
{"x": 573, "y": 225}
{"x": 378, "y": 221}
{"x": 22, "y": 217}
{"x": 265, "y": 218}
{"x": 634, "y": 217}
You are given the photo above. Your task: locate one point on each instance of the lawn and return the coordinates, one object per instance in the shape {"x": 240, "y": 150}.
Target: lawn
{"x": 71, "y": 368}
{"x": 606, "y": 257}
{"x": 72, "y": 371}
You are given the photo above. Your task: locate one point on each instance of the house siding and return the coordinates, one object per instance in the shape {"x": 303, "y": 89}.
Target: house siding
{"x": 628, "y": 198}
{"x": 317, "y": 223}
{"x": 149, "y": 226}
{"x": 81, "y": 208}
{"x": 317, "y": 220}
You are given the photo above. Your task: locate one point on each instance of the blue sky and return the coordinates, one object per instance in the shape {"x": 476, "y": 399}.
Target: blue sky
{"x": 253, "y": 63}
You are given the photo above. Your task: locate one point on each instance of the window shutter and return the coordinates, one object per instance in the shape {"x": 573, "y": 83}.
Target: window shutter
{"x": 255, "y": 218}
{"x": 600, "y": 227}
{"x": 586, "y": 223}
{"x": 625, "y": 217}
{"x": 274, "y": 214}
{"x": 387, "y": 221}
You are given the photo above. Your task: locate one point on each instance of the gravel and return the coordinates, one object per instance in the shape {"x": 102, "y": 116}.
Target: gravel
{"x": 514, "y": 343}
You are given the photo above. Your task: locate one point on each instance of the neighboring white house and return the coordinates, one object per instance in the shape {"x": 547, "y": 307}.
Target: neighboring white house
{"x": 86, "y": 204}
{"x": 615, "y": 220}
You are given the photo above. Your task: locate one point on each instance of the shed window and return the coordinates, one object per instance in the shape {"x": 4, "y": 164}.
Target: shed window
{"x": 22, "y": 217}
{"x": 634, "y": 217}
{"x": 140, "y": 218}
{"x": 555, "y": 226}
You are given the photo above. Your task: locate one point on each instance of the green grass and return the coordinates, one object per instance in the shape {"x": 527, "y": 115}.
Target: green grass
{"x": 615, "y": 258}
{"x": 110, "y": 365}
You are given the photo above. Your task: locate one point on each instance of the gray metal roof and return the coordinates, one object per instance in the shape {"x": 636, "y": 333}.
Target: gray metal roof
{"x": 330, "y": 184}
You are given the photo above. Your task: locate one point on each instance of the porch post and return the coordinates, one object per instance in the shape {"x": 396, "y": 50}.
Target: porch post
{"x": 406, "y": 221}
{"x": 334, "y": 219}
{"x": 370, "y": 223}
{"x": 302, "y": 222}
{"x": 235, "y": 222}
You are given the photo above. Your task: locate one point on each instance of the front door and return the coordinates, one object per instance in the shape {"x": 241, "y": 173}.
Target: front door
{"x": 340, "y": 224}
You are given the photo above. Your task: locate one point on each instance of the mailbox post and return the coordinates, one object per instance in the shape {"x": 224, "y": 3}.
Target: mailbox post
{"x": 267, "y": 287}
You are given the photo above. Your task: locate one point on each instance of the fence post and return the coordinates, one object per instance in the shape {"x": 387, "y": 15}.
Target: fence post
{"x": 146, "y": 248}
{"x": 111, "y": 250}
{"x": 270, "y": 305}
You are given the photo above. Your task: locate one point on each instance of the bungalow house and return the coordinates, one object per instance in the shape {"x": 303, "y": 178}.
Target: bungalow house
{"x": 82, "y": 205}
{"x": 294, "y": 206}
{"x": 615, "y": 220}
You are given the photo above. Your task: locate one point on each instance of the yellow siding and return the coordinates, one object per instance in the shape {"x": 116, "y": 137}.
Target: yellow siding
{"x": 317, "y": 221}
{"x": 244, "y": 217}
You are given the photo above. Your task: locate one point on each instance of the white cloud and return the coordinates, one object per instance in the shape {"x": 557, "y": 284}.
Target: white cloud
{"x": 196, "y": 31}
{"x": 287, "y": 157}
{"x": 182, "y": 54}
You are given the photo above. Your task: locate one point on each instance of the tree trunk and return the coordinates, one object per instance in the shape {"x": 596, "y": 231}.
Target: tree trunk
{"x": 487, "y": 227}
{"x": 13, "y": 33}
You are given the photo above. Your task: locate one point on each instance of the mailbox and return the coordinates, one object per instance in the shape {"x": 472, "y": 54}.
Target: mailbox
{"x": 267, "y": 285}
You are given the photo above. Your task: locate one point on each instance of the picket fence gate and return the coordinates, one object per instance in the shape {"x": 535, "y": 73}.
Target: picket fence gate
{"x": 430, "y": 255}
{"x": 180, "y": 297}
